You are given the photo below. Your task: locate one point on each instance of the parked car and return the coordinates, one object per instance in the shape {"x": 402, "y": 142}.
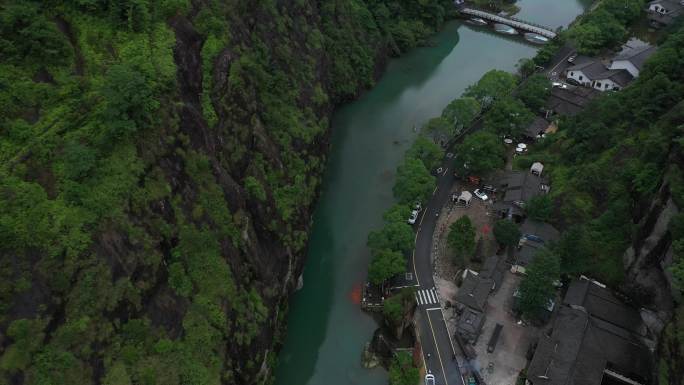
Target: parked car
{"x": 429, "y": 379}
{"x": 573, "y": 82}
{"x": 480, "y": 194}
{"x": 413, "y": 218}
{"x": 489, "y": 189}
{"x": 559, "y": 85}
{"x": 571, "y": 58}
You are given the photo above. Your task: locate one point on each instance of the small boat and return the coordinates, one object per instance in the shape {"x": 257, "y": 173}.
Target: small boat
{"x": 477, "y": 21}
{"x": 536, "y": 38}
{"x": 505, "y": 29}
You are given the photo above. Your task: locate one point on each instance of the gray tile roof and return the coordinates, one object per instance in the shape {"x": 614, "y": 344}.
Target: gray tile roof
{"x": 603, "y": 304}
{"x": 581, "y": 346}
{"x": 538, "y": 125}
{"x": 637, "y": 56}
{"x": 620, "y": 77}
{"x": 470, "y": 324}
{"x": 542, "y": 230}
{"x": 494, "y": 268}
{"x": 570, "y": 101}
{"x": 474, "y": 291}
{"x": 591, "y": 68}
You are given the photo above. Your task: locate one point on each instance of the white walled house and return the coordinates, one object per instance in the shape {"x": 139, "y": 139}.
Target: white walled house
{"x": 662, "y": 13}
{"x": 586, "y": 72}
{"x": 632, "y": 59}
{"x": 665, "y": 7}
{"x": 612, "y": 80}
{"x": 592, "y": 73}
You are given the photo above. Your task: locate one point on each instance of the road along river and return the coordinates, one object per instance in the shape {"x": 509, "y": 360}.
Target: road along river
{"x": 326, "y": 328}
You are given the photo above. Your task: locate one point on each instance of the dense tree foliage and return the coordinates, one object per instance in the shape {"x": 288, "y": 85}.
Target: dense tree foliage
{"x": 461, "y": 238}
{"x": 397, "y": 306}
{"x": 414, "y": 182}
{"x": 494, "y": 85}
{"x": 534, "y": 91}
{"x": 537, "y": 287}
{"x": 508, "y": 117}
{"x": 427, "y": 152}
{"x": 402, "y": 371}
{"x": 605, "y": 27}
{"x": 461, "y": 113}
{"x": 506, "y": 232}
{"x": 155, "y": 156}
{"x": 481, "y": 152}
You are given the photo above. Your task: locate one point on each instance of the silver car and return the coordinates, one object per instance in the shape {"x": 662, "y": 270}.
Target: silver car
{"x": 429, "y": 379}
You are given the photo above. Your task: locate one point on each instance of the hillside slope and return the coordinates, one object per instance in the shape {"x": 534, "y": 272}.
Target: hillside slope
{"x": 160, "y": 161}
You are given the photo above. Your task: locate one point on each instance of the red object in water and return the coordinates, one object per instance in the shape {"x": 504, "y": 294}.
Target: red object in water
{"x": 355, "y": 294}
{"x": 485, "y": 229}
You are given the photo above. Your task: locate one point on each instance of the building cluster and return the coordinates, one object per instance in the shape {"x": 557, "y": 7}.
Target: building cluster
{"x": 616, "y": 75}
{"x": 594, "y": 339}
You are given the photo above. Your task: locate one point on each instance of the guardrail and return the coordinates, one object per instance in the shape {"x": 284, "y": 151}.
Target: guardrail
{"x": 512, "y": 21}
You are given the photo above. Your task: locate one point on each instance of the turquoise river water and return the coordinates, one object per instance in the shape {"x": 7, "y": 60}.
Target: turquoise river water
{"x": 326, "y": 329}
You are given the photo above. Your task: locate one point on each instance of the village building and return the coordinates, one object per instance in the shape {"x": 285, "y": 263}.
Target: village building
{"x": 471, "y": 303}
{"x": 518, "y": 187}
{"x": 569, "y": 102}
{"x": 662, "y": 13}
{"x": 535, "y": 236}
{"x": 593, "y": 73}
{"x": 632, "y": 59}
{"x": 595, "y": 339}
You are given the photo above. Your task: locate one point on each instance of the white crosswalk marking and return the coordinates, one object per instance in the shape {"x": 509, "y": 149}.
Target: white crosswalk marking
{"x": 426, "y": 296}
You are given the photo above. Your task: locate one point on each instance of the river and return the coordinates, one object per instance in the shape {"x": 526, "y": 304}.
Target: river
{"x": 326, "y": 329}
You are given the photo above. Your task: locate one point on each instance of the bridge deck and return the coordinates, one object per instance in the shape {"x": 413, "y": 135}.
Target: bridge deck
{"x": 511, "y": 21}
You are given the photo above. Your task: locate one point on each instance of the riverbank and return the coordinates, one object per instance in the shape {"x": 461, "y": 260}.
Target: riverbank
{"x": 326, "y": 329}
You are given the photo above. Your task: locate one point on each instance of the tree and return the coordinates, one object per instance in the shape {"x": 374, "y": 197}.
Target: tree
{"x": 395, "y": 307}
{"x": 461, "y": 238}
{"x": 481, "y": 152}
{"x": 526, "y": 67}
{"x": 534, "y": 91}
{"x": 506, "y": 232}
{"x": 402, "y": 371}
{"x": 540, "y": 208}
{"x": 508, "y": 117}
{"x": 537, "y": 287}
{"x": 130, "y": 102}
{"x": 439, "y": 129}
{"x": 396, "y": 236}
{"x": 385, "y": 264}
{"x": 414, "y": 182}
{"x": 494, "y": 85}
{"x": 397, "y": 213}
{"x": 460, "y": 113}
{"x": 427, "y": 151}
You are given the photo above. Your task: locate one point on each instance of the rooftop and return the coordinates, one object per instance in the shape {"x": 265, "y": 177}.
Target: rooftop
{"x": 474, "y": 291}
{"x": 583, "y": 347}
{"x": 636, "y": 55}
{"x": 591, "y": 68}
{"x": 570, "y": 101}
{"x": 494, "y": 268}
{"x": 538, "y": 126}
{"x": 543, "y": 230}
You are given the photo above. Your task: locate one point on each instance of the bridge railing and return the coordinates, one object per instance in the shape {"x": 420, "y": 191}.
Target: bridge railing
{"x": 522, "y": 23}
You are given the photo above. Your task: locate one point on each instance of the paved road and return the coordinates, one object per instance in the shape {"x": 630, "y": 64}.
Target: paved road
{"x": 434, "y": 335}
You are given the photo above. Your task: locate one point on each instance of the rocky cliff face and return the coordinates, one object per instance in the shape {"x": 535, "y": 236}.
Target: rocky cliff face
{"x": 160, "y": 166}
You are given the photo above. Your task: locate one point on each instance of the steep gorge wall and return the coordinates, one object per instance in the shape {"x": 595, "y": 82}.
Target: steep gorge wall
{"x": 160, "y": 166}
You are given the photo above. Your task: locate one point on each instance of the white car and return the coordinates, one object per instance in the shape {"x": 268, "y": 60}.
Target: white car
{"x": 480, "y": 194}
{"x": 414, "y": 217}
{"x": 559, "y": 85}
{"x": 429, "y": 379}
